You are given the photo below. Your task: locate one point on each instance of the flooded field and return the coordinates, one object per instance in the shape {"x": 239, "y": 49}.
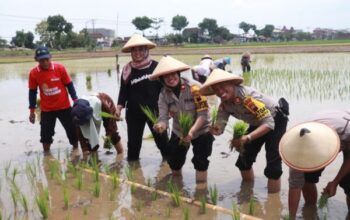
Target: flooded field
{"x": 310, "y": 83}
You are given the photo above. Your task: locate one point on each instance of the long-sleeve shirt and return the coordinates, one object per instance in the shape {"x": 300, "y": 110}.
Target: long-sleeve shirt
{"x": 189, "y": 102}
{"x": 139, "y": 90}
{"x": 251, "y": 106}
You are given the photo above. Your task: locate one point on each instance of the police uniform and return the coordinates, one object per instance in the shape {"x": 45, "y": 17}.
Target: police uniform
{"x": 189, "y": 102}
{"x": 256, "y": 109}
{"x": 340, "y": 122}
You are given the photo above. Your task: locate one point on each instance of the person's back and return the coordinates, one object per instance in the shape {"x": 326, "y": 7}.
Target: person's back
{"x": 245, "y": 62}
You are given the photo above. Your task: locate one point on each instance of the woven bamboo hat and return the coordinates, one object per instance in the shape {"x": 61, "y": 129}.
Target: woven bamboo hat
{"x": 168, "y": 65}
{"x": 137, "y": 40}
{"x": 309, "y": 146}
{"x": 218, "y": 76}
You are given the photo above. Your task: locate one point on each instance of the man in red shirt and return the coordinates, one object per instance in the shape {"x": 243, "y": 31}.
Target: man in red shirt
{"x": 53, "y": 82}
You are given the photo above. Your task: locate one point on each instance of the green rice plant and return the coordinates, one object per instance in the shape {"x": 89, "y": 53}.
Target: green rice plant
{"x": 65, "y": 198}
{"x": 151, "y": 115}
{"x": 149, "y": 181}
{"x": 236, "y": 214}
{"x": 109, "y": 72}
{"x": 24, "y": 202}
{"x": 43, "y": 205}
{"x": 46, "y": 194}
{"x": 53, "y": 168}
{"x": 114, "y": 180}
{"x": 154, "y": 196}
{"x": 112, "y": 196}
{"x": 108, "y": 115}
{"x": 7, "y": 168}
{"x": 88, "y": 78}
{"x": 168, "y": 212}
{"x": 85, "y": 210}
{"x": 286, "y": 217}
{"x": 72, "y": 169}
{"x": 213, "y": 192}
{"x": 252, "y": 204}
{"x": 240, "y": 128}
{"x": 185, "y": 123}
{"x": 14, "y": 173}
{"x": 176, "y": 196}
{"x": 169, "y": 185}
{"x": 96, "y": 175}
{"x": 132, "y": 188}
{"x": 186, "y": 213}
{"x": 323, "y": 201}
{"x": 129, "y": 173}
{"x": 14, "y": 198}
{"x": 139, "y": 205}
{"x": 203, "y": 207}
{"x": 97, "y": 189}
{"x": 107, "y": 142}
{"x": 106, "y": 169}
{"x": 214, "y": 115}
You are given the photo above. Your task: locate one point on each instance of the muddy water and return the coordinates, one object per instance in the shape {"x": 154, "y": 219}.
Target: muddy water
{"x": 310, "y": 82}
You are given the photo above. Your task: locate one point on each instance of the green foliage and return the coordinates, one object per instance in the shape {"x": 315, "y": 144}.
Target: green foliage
{"x": 185, "y": 122}
{"x": 213, "y": 192}
{"x": 97, "y": 189}
{"x": 142, "y": 23}
{"x": 323, "y": 201}
{"x": 214, "y": 115}
{"x": 252, "y": 204}
{"x": 42, "y": 202}
{"x": 236, "y": 214}
{"x": 23, "y": 39}
{"x": 107, "y": 142}
{"x": 203, "y": 207}
{"x": 58, "y": 25}
{"x": 151, "y": 115}
{"x": 240, "y": 128}
{"x": 176, "y": 195}
{"x": 179, "y": 22}
{"x": 208, "y": 25}
{"x": 65, "y": 198}
{"x": 186, "y": 213}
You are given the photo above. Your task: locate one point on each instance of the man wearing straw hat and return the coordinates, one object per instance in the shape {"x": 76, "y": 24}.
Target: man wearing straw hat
{"x": 308, "y": 148}
{"x": 267, "y": 123}
{"x": 179, "y": 97}
{"x": 135, "y": 90}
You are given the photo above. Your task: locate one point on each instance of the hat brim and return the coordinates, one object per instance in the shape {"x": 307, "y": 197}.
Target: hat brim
{"x": 180, "y": 69}
{"x": 46, "y": 56}
{"x": 208, "y": 90}
{"x": 128, "y": 49}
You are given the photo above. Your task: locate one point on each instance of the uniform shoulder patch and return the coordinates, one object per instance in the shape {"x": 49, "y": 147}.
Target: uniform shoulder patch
{"x": 256, "y": 107}
{"x": 199, "y": 101}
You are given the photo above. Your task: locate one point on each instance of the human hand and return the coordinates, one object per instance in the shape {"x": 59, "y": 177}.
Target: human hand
{"x": 159, "y": 127}
{"x": 331, "y": 189}
{"x": 214, "y": 130}
{"x": 32, "y": 117}
{"x": 118, "y": 111}
{"x": 188, "y": 138}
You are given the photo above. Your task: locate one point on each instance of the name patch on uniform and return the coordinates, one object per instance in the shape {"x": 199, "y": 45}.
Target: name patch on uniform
{"x": 256, "y": 107}
{"x": 199, "y": 101}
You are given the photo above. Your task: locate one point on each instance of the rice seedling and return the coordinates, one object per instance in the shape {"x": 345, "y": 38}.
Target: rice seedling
{"x": 109, "y": 71}
{"x": 107, "y": 143}
{"x": 65, "y": 197}
{"x": 72, "y": 169}
{"x": 213, "y": 192}
{"x": 97, "y": 189}
{"x": 236, "y": 214}
{"x": 53, "y": 168}
{"x": 214, "y": 115}
{"x": 252, "y": 204}
{"x": 323, "y": 201}
{"x": 169, "y": 185}
{"x": 139, "y": 205}
{"x": 24, "y": 202}
{"x": 129, "y": 173}
{"x": 14, "y": 198}
{"x": 185, "y": 123}
{"x": 154, "y": 196}
{"x": 14, "y": 174}
{"x": 203, "y": 207}
{"x": 85, "y": 210}
{"x": 114, "y": 180}
{"x": 112, "y": 196}
{"x": 43, "y": 205}
{"x": 176, "y": 196}
{"x": 168, "y": 212}
{"x": 149, "y": 181}
{"x": 240, "y": 128}
{"x": 88, "y": 78}
{"x": 106, "y": 169}
{"x": 132, "y": 188}
{"x": 286, "y": 217}
{"x": 186, "y": 213}
{"x": 151, "y": 115}
{"x": 97, "y": 176}
{"x": 108, "y": 115}
{"x": 46, "y": 194}
{"x": 7, "y": 168}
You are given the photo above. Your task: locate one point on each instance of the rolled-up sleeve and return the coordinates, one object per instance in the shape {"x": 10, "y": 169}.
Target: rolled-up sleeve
{"x": 163, "y": 110}
{"x": 222, "y": 119}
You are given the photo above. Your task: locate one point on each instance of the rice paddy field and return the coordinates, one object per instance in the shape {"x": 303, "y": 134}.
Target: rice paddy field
{"x": 66, "y": 185}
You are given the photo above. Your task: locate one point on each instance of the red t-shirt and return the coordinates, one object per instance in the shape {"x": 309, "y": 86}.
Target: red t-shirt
{"x": 52, "y": 85}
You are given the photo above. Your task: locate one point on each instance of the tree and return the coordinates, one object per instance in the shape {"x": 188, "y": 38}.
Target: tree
{"x": 46, "y": 37}
{"x": 176, "y": 39}
{"x": 23, "y": 39}
{"x": 58, "y": 25}
{"x": 224, "y": 33}
{"x": 267, "y": 30}
{"x": 246, "y": 27}
{"x": 179, "y": 22}
{"x": 142, "y": 23}
{"x": 208, "y": 25}
{"x": 156, "y": 23}
{"x": 3, "y": 43}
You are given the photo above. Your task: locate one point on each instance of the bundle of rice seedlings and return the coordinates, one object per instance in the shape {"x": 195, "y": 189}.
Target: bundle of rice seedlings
{"x": 214, "y": 115}
{"x": 186, "y": 122}
{"x": 323, "y": 201}
{"x": 107, "y": 142}
{"x": 240, "y": 128}
{"x": 151, "y": 115}
{"x": 108, "y": 115}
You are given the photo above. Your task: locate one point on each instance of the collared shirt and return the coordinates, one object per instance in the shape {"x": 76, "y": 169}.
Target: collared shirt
{"x": 51, "y": 83}
{"x": 249, "y": 105}
{"x": 189, "y": 102}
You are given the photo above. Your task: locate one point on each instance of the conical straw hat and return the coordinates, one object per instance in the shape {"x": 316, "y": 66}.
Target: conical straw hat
{"x": 135, "y": 41}
{"x": 218, "y": 76}
{"x": 168, "y": 65}
{"x": 309, "y": 146}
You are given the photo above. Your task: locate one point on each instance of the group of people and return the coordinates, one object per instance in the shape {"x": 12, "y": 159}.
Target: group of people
{"x": 161, "y": 87}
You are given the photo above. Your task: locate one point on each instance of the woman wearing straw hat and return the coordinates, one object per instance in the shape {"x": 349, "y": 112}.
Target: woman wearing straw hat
{"x": 308, "y": 148}
{"x": 135, "y": 90}
{"x": 264, "y": 115}
{"x": 179, "y": 97}
{"x": 245, "y": 62}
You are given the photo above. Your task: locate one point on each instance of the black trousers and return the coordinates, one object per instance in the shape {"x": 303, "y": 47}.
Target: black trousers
{"x": 48, "y": 123}
{"x": 271, "y": 140}
{"x": 136, "y": 122}
{"x": 202, "y": 148}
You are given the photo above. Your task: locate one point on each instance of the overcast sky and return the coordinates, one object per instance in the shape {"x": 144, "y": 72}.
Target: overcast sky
{"x": 117, "y": 14}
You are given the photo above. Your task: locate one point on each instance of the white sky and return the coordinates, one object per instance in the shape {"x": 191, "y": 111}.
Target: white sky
{"x": 117, "y": 14}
